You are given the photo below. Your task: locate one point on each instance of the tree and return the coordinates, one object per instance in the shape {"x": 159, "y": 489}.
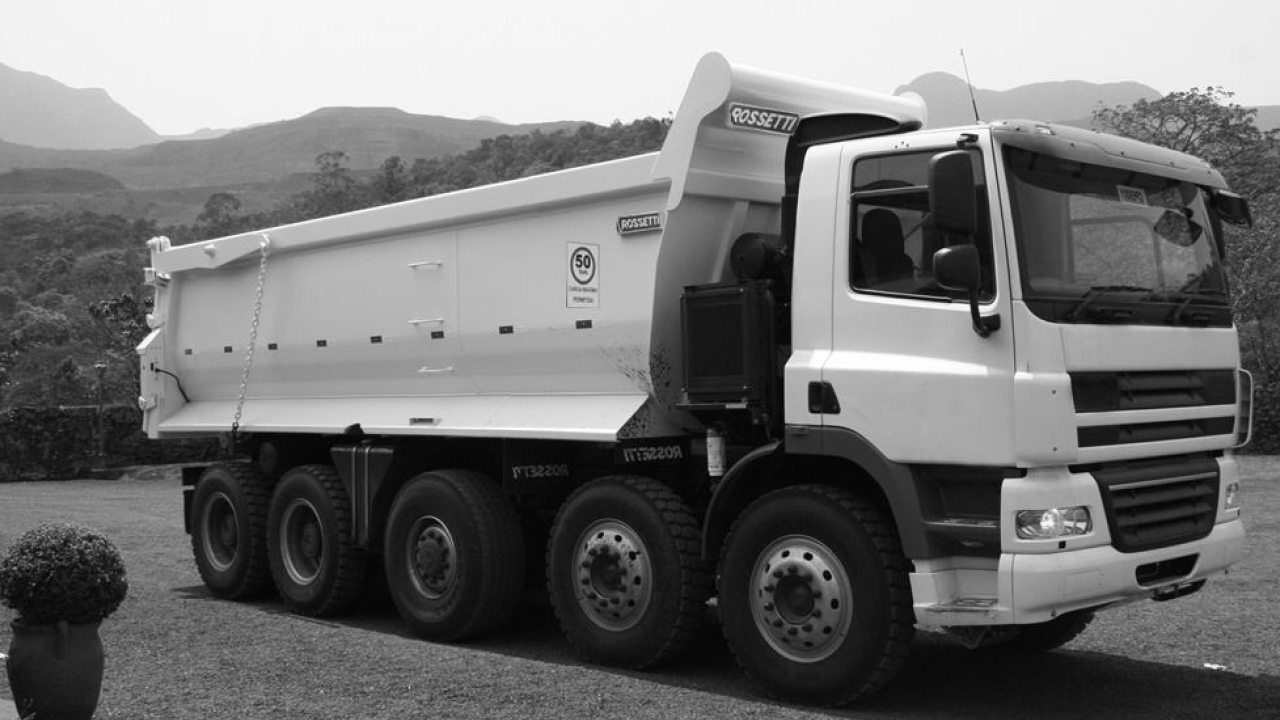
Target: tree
{"x": 391, "y": 183}
{"x": 1204, "y": 123}
{"x": 334, "y": 190}
{"x": 219, "y": 214}
{"x": 34, "y": 326}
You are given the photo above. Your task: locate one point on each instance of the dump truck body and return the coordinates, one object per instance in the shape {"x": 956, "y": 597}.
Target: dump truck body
{"x": 543, "y": 307}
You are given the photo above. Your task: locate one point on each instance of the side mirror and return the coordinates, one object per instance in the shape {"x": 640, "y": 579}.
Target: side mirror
{"x": 953, "y": 201}
{"x": 958, "y": 268}
{"x": 1232, "y": 208}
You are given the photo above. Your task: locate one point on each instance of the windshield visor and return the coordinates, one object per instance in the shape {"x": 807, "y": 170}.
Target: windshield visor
{"x": 1104, "y": 245}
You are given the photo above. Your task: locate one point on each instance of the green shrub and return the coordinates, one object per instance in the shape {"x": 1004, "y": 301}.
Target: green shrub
{"x": 60, "y": 571}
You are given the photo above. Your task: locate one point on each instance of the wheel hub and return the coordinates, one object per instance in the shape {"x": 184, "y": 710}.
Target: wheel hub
{"x": 795, "y": 599}
{"x": 227, "y": 531}
{"x": 800, "y": 598}
{"x": 613, "y": 575}
{"x": 221, "y": 535}
{"x": 301, "y": 541}
{"x": 432, "y": 557}
{"x": 309, "y": 542}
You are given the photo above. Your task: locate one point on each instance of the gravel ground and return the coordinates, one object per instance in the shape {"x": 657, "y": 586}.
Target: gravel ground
{"x": 175, "y": 652}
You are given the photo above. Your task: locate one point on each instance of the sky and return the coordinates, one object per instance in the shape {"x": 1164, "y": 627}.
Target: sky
{"x": 181, "y": 65}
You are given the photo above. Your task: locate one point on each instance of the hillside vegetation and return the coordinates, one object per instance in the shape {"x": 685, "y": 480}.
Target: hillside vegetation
{"x": 56, "y": 180}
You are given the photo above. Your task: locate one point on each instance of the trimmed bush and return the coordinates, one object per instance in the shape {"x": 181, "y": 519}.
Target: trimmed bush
{"x": 62, "y": 572}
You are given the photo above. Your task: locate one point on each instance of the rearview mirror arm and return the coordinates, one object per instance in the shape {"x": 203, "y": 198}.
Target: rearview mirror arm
{"x": 983, "y": 325}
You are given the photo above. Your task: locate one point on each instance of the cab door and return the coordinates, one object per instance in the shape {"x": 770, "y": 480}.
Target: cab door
{"x": 908, "y": 371}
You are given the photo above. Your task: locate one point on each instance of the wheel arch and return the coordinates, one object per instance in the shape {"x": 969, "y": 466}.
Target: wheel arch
{"x": 834, "y": 456}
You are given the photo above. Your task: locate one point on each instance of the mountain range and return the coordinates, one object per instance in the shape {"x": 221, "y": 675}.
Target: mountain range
{"x": 268, "y": 152}
{"x": 42, "y": 112}
{"x": 1069, "y": 101}
{"x": 45, "y": 124}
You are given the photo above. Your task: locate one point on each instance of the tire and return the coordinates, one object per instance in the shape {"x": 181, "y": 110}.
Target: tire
{"x": 454, "y": 555}
{"x": 625, "y": 573}
{"x": 229, "y": 531}
{"x": 814, "y": 595}
{"x": 316, "y": 566}
{"x": 1043, "y": 637}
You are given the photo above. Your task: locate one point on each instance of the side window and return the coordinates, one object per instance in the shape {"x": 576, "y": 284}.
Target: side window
{"x": 891, "y": 238}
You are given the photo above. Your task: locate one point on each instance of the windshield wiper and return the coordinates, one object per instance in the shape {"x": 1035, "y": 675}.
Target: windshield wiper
{"x": 1095, "y": 293}
{"x": 1192, "y": 288}
{"x": 1184, "y": 299}
{"x": 1190, "y": 292}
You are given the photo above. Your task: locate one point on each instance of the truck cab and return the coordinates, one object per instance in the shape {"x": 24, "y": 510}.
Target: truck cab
{"x": 1089, "y": 408}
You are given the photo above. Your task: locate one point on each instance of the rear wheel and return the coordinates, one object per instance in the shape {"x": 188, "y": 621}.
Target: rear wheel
{"x": 454, "y": 555}
{"x": 814, "y": 595}
{"x": 229, "y": 530}
{"x": 624, "y": 572}
{"x": 317, "y": 568}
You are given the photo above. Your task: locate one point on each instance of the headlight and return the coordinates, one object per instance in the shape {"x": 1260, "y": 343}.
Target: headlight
{"x": 1053, "y": 523}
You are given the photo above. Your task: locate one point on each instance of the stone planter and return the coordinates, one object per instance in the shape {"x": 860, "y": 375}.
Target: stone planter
{"x": 55, "y": 671}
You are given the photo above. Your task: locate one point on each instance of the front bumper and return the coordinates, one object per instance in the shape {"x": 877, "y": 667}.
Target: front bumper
{"x": 1037, "y": 587}
{"x": 1033, "y": 581}
{"x": 1045, "y": 586}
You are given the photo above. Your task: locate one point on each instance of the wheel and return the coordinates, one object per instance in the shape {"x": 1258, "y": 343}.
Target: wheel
{"x": 454, "y": 555}
{"x": 229, "y": 531}
{"x": 316, "y": 566}
{"x": 1043, "y": 637}
{"x": 625, "y": 574}
{"x": 814, "y": 595}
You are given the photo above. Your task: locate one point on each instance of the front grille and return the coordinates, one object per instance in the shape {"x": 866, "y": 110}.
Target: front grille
{"x": 1120, "y": 393}
{"x": 1111, "y": 391}
{"x": 1150, "y": 505}
{"x": 1154, "y": 432}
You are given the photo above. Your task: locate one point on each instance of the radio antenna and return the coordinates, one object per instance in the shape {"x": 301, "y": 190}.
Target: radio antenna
{"x": 972, "y": 98}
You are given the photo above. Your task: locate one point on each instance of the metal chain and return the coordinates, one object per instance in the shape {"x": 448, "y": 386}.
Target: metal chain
{"x": 253, "y": 337}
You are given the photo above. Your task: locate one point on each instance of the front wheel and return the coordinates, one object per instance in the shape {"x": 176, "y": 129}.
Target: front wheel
{"x": 814, "y": 595}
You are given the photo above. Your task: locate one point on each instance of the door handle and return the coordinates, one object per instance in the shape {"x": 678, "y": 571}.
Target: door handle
{"x": 822, "y": 398}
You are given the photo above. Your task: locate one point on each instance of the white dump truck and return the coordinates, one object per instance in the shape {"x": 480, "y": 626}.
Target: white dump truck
{"x": 811, "y": 370}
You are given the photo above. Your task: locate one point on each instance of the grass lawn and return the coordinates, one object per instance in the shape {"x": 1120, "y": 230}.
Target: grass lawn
{"x": 175, "y": 652}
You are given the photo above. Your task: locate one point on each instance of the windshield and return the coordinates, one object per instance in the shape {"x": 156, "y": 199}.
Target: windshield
{"x": 1104, "y": 245}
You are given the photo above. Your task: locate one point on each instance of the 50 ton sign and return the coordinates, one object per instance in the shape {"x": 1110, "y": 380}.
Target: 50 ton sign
{"x": 583, "y": 276}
